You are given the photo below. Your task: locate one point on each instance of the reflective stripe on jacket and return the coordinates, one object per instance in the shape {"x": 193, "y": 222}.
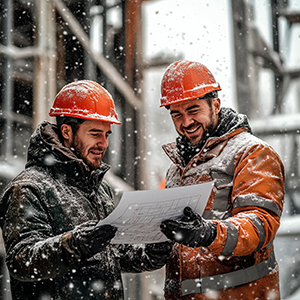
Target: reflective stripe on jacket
{"x": 246, "y": 204}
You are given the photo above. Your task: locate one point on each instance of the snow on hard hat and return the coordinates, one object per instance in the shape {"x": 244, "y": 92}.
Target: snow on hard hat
{"x": 185, "y": 80}
{"x": 85, "y": 99}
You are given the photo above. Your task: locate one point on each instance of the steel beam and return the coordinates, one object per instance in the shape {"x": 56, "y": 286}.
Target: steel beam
{"x": 106, "y": 67}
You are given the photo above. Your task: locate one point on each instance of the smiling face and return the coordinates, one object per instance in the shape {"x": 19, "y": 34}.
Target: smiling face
{"x": 89, "y": 142}
{"x": 194, "y": 117}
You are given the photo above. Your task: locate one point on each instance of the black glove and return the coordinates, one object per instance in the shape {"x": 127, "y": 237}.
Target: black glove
{"x": 191, "y": 230}
{"x": 159, "y": 250}
{"x": 90, "y": 239}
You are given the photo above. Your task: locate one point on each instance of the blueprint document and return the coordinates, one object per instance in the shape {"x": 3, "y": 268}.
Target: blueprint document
{"x": 139, "y": 213}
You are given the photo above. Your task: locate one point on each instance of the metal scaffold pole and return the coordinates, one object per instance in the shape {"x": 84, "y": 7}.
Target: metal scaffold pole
{"x": 7, "y": 87}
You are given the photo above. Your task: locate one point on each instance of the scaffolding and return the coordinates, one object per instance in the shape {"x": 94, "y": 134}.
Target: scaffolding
{"x": 54, "y": 48}
{"x": 278, "y": 119}
{"x": 253, "y": 56}
{"x": 46, "y": 44}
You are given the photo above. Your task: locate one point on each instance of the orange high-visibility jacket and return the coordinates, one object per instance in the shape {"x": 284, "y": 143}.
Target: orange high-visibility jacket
{"x": 246, "y": 204}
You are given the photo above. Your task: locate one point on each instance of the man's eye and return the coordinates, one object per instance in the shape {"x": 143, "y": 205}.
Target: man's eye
{"x": 177, "y": 116}
{"x": 192, "y": 112}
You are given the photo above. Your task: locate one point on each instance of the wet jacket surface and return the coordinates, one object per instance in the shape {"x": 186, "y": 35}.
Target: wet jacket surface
{"x": 55, "y": 193}
{"x": 246, "y": 205}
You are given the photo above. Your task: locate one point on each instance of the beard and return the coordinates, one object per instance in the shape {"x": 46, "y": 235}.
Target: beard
{"x": 78, "y": 149}
{"x": 206, "y": 134}
{"x": 187, "y": 149}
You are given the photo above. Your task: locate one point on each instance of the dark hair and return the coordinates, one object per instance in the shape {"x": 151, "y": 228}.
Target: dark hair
{"x": 71, "y": 121}
{"x": 75, "y": 127}
{"x": 67, "y": 120}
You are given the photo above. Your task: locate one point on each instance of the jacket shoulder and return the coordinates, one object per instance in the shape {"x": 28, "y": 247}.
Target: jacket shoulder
{"x": 33, "y": 178}
{"x": 248, "y": 142}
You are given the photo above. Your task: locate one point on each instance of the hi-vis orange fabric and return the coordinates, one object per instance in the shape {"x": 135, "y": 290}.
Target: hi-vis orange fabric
{"x": 246, "y": 204}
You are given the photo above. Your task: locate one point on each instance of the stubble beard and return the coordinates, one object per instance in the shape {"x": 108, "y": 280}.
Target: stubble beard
{"x": 208, "y": 132}
{"x": 78, "y": 149}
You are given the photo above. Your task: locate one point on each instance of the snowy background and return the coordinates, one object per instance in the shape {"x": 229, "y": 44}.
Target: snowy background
{"x": 201, "y": 30}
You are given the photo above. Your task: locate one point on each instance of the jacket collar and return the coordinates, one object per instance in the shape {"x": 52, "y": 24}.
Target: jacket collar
{"x": 212, "y": 148}
{"x": 230, "y": 123}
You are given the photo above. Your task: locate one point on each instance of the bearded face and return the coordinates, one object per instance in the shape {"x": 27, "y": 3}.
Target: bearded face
{"x": 90, "y": 142}
{"x": 195, "y": 118}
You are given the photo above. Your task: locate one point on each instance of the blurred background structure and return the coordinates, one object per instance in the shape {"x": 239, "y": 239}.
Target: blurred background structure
{"x": 252, "y": 48}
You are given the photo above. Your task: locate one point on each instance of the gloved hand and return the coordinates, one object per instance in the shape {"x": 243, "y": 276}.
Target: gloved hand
{"x": 191, "y": 230}
{"x": 90, "y": 239}
{"x": 159, "y": 250}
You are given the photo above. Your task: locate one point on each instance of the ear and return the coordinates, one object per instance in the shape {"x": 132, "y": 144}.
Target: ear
{"x": 216, "y": 105}
{"x": 66, "y": 132}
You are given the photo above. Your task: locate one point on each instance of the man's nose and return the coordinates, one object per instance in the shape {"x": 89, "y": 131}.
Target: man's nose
{"x": 187, "y": 121}
{"x": 102, "y": 142}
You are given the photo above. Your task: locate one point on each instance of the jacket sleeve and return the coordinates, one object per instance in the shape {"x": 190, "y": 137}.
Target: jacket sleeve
{"x": 141, "y": 258}
{"x": 33, "y": 252}
{"x": 257, "y": 202}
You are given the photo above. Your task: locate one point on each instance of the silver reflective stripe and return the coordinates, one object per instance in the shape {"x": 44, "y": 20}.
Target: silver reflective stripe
{"x": 254, "y": 200}
{"x": 227, "y": 280}
{"x": 232, "y": 239}
{"x": 191, "y": 286}
{"x": 260, "y": 228}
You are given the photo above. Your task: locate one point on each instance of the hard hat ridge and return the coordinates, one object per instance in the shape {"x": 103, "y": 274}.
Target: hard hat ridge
{"x": 85, "y": 99}
{"x": 185, "y": 80}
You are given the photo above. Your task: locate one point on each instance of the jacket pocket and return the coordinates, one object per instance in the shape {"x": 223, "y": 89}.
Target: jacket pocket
{"x": 222, "y": 203}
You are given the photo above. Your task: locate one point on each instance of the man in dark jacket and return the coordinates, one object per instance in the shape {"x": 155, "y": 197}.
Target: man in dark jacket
{"x": 49, "y": 212}
{"x": 227, "y": 253}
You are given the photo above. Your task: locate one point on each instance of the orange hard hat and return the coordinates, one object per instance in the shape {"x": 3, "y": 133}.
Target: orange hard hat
{"x": 85, "y": 99}
{"x": 185, "y": 80}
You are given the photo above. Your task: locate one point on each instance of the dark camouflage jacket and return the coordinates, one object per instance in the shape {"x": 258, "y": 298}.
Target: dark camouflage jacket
{"x": 55, "y": 193}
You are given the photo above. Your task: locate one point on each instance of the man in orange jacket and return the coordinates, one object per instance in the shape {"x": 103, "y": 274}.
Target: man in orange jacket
{"x": 227, "y": 253}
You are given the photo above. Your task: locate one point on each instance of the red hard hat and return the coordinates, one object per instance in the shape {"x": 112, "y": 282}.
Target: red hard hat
{"x": 185, "y": 80}
{"x": 85, "y": 99}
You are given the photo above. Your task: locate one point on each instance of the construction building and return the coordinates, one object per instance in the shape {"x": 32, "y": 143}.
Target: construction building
{"x": 47, "y": 44}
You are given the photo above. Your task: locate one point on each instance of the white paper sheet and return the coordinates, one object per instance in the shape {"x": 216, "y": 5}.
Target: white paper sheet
{"x": 139, "y": 213}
